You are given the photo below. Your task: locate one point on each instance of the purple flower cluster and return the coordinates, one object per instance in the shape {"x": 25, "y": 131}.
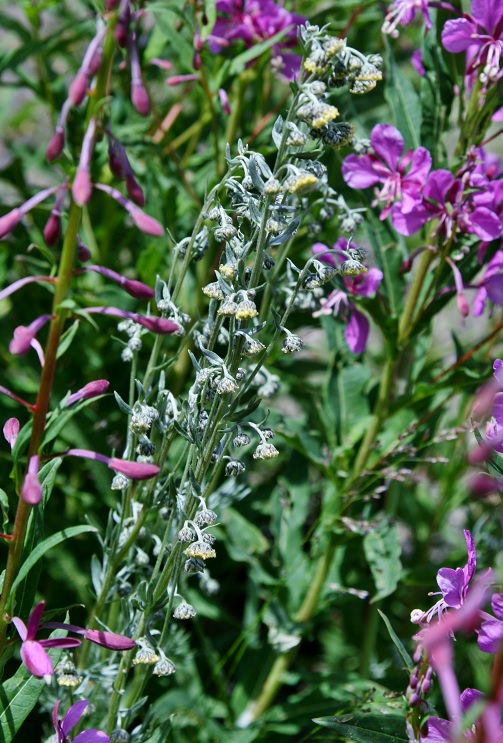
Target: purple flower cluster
{"x": 254, "y": 21}
{"x": 459, "y": 609}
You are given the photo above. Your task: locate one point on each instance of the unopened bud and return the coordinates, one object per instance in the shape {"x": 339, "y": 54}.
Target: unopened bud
{"x": 139, "y": 97}
{"x": 135, "y": 191}
{"x": 52, "y": 229}
{"x": 82, "y": 187}
{"x": 78, "y": 88}
{"x": 56, "y": 145}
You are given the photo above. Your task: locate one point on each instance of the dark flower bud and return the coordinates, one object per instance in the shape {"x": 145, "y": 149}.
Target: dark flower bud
{"x": 121, "y": 31}
{"x": 111, "y": 4}
{"x": 135, "y": 191}
{"x": 56, "y": 145}
{"x": 52, "y": 229}
{"x": 84, "y": 253}
{"x": 115, "y": 160}
{"x": 78, "y": 88}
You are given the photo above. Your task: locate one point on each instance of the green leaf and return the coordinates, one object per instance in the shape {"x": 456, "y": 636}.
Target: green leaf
{"x": 48, "y": 544}
{"x": 367, "y": 728}
{"x": 407, "y": 660}
{"x": 382, "y": 552}
{"x": 67, "y": 338}
{"x": 403, "y": 101}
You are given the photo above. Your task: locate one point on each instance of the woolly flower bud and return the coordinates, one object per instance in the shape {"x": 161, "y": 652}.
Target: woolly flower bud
{"x": 194, "y": 565}
{"x": 205, "y": 517}
{"x": 164, "y": 667}
{"x": 184, "y": 611}
{"x": 120, "y": 482}
{"x": 353, "y": 268}
{"x": 119, "y": 736}
{"x": 200, "y": 550}
{"x": 228, "y": 308}
{"x": 317, "y": 115}
{"x": 213, "y": 290}
{"x": 226, "y": 386}
{"x": 272, "y": 187}
{"x": 226, "y": 232}
{"x": 242, "y": 439}
{"x": 301, "y": 184}
{"x": 333, "y": 45}
{"x": 246, "y": 310}
{"x": 292, "y": 343}
{"x": 186, "y": 535}
{"x": 252, "y": 347}
{"x": 296, "y": 138}
{"x": 69, "y": 680}
{"x": 234, "y": 468}
{"x": 227, "y": 270}
{"x": 145, "y": 656}
{"x": 142, "y": 419}
{"x": 265, "y": 451}
{"x": 268, "y": 433}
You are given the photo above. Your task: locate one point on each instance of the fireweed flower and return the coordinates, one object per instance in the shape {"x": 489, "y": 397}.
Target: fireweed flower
{"x": 402, "y": 177}
{"x": 481, "y": 35}
{"x": 490, "y": 634}
{"x": 436, "y": 729}
{"x": 402, "y": 12}
{"x": 31, "y": 489}
{"x": 453, "y": 584}
{"x": 159, "y": 325}
{"x": 92, "y": 389}
{"x": 447, "y": 199}
{"x": 134, "y": 470}
{"x": 33, "y": 653}
{"x": 10, "y": 220}
{"x": 24, "y": 336}
{"x": 491, "y": 286}
{"x": 11, "y": 431}
{"x": 253, "y": 21}
{"x": 144, "y": 222}
{"x": 338, "y": 302}
{"x": 136, "y": 289}
{"x": 71, "y": 718}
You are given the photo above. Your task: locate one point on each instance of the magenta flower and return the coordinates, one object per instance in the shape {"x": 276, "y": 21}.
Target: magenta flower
{"x": 491, "y": 286}
{"x": 24, "y": 336}
{"x": 338, "y": 302}
{"x": 481, "y": 34}
{"x": 134, "y": 470}
{"x": 71, "y": 719}
{"x": 490, "y": 634}
{"x": 494, "y": 427}
{"x": 9, "y": 221}
{"x": 402, "y": 178}
{"x": 402, "y": 12}
{"x": 453, "y": 584}
{"x": 33, "y": 653}
{"x": 136, "y": 289}
{"x": 92, "y": 389}
{"x": 11, "y": 431}
{"x": 446, "y": 198}
{"x": 253, "y": 21}
{"x": 159, "y": 325}
{"x": 437, "y": 730}
{"x": 31, "y": 489}
{"x": 144, "y": 222}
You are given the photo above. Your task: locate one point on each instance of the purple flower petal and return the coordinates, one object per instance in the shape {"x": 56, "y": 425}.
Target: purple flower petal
{"x": 109, "y": 640}
{"x": 358, "y": 172}
{"x": 134, "y": 470}
{"x": 357, "y": 332}
{"x": 498, "y": 371}
{"x": 388, "y": 143}
{"x": 451, "y": 583}
{"x": 73, "y": 716}
{"x": 469, "y": 697}
{"x": 494, "y": 288}
{"x": 370, "y": 283}
{"x": 411, "y": 222}
{"x": 439, "y": 730}
{"x": 469, "y": 570}
{"x": 92, "y": 736}
{"x": 420, "y": 166}
{"x": 438, "y": 184}
{"x": 36, "y": 660}
{"x": 34, "y": 620}
{"x": 485, "y": 224}
{"x": 497, "y": 604}
{"x": 457, "y": 34}
{"x": 490, "y": 636}
{"x": 488, "y": 13}
{"x": 497, "y": 408}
